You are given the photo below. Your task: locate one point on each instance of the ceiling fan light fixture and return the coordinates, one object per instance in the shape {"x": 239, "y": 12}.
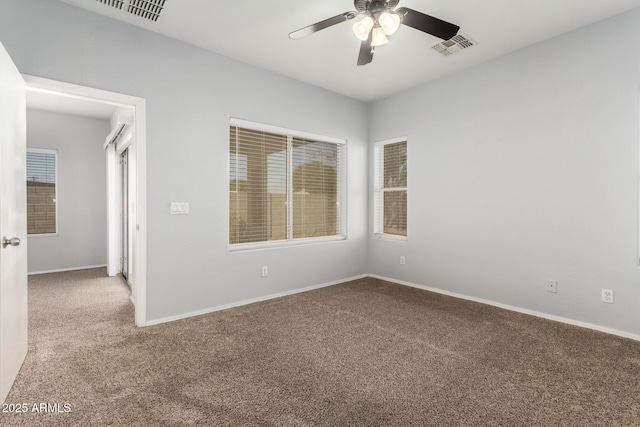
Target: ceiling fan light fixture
{"x": 380, "y": 18}
{"x": 361, "y": 29}
{"x": 379, "y": 37}
{"x": 389, "y": 22}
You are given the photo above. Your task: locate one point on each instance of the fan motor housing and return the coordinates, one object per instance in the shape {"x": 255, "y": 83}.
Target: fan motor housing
{"x": 374, "y": 6}
{"x": 361, "y": 5}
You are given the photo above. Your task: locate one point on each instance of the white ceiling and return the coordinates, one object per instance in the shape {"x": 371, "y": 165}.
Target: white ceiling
{"x": 256, "y": 32}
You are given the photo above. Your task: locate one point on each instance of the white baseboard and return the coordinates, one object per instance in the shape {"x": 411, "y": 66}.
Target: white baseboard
{"x": 565, "y": 320}
{"x": 87, "y": 267}
{"x": 250, "y": 301}
{"x": 513, "y": 308}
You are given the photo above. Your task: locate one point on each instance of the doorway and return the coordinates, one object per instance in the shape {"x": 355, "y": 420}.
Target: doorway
{"x": 129, "y": 241}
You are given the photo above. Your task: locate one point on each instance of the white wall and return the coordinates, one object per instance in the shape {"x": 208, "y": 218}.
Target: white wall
{"x": 82, "y": 208}
{"x": 190, "y": 94}
{"x": 525, "y": 169}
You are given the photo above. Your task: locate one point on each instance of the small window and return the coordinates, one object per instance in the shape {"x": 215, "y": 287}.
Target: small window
{"x": 284, "y": 186}
{"x": 390, "y": 198}
{"x": 42, "y": 190}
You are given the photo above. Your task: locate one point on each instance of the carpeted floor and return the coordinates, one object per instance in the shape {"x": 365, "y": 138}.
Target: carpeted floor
{"x": 361, "y": 353}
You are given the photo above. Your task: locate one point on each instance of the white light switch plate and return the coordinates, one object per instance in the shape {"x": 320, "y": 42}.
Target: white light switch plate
{"x": 179, "y": 208}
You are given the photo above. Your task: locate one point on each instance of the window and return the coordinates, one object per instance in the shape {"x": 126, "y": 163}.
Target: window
{"x": 284, "y": 186}
{"x": 390, "y": 198}
{"x": 42, "y": 217}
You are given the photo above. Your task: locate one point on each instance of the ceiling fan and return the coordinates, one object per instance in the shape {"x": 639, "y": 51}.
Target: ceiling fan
{"x": 380, "y": 21}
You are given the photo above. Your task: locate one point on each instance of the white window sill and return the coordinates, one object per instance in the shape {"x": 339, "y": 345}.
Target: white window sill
{"x": 244, "y": 247}
{"x": 392, "y": 237}
{"x": 38, "y": 236}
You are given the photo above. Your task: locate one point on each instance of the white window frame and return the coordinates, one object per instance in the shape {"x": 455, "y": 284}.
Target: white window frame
{"x": 55, "y": 153}
{"x": 341, "y": 208}
{"x": 379, "y": 190}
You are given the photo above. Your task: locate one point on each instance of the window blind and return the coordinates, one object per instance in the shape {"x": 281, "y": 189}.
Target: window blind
{"x": 391, "y": 188}
{"x": 258, "y": 184}
{"x": 282, "y": 187}
{"x": 41, "y": 167}
{"x": 41, "y": 192}
{"x": 315, "y": 188}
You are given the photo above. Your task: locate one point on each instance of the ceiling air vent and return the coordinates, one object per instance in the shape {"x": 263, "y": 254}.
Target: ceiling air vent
{"x": 147, "y": 9}
{"x": 113, "y": 3}
{"x": 456, "y": 44}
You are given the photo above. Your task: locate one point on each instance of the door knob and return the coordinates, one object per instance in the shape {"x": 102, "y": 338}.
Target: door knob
{"x": 13, "y": 241}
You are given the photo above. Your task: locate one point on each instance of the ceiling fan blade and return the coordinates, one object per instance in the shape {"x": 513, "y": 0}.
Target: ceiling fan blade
{"x": 428, "y": 24}
{"x": 366, "y": 51}
{"x": 322, "y": 25}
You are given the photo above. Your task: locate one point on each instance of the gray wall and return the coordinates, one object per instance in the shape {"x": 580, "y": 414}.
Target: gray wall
{"x": 525, "y": 169}
{"x": 522, "y": 169}
{"x": 191, "y": 93}
{"x": 82, "y": 191}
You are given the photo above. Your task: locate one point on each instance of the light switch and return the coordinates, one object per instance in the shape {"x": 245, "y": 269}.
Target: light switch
{"x": 179, "y": 208}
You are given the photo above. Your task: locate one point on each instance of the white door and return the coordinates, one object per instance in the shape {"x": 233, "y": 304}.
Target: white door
{"x": 13, "y": 223}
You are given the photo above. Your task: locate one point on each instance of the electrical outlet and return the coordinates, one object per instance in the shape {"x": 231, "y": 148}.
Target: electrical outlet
{"x": 403, "y": 261}
{"x": 552, "y": 286}
{"x": 607, "y": 296}
{"x": 265, "y": 271}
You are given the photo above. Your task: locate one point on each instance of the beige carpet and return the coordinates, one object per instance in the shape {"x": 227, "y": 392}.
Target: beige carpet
{"x": 361, "y": 353}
